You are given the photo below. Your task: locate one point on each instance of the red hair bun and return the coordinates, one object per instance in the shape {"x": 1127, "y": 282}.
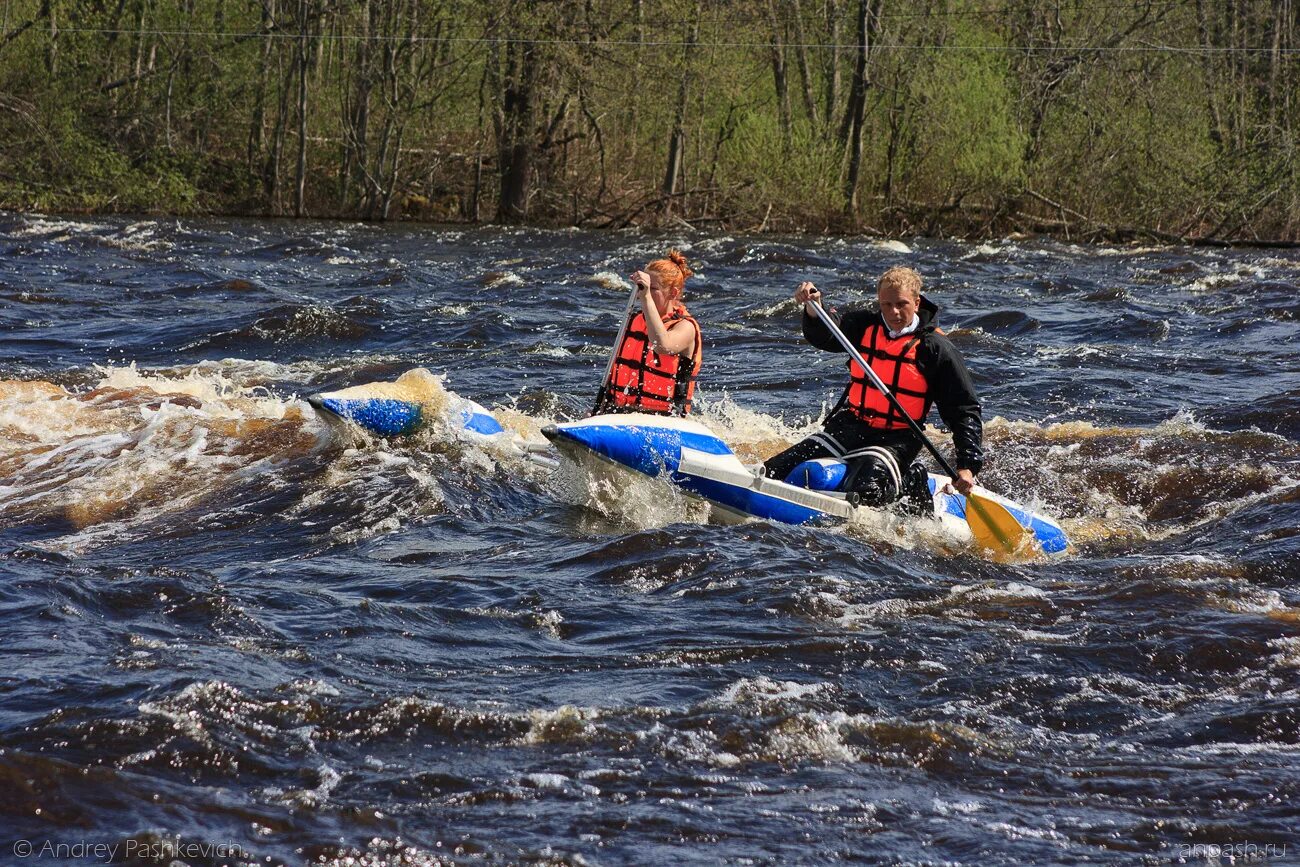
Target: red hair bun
{"x": 672, "y": 271}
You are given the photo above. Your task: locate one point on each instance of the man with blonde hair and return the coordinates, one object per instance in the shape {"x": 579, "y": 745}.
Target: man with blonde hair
{"x": 901, "y": 342}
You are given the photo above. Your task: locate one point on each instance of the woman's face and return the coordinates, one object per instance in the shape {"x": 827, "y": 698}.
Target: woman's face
{"x": 660, "y": 295}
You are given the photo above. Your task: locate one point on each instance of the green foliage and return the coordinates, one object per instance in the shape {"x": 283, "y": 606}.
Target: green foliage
{"x": 966, "y": 132}
{"x": 1129, "y": 147}
{"x": 799, "y": 178}
{"x": 977, "y": 111}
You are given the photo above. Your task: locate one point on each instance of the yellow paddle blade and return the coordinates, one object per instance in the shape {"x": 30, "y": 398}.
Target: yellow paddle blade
{"x": 997, "y": 530}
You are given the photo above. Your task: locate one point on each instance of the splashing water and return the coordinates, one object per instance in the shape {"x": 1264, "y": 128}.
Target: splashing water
{"x": 228, "y": 617}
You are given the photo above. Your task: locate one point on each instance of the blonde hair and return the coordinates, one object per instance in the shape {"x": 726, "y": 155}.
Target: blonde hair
{"x": 899, "y": 277}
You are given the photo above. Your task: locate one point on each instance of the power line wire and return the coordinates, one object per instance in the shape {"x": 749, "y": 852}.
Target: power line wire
{"x": 674, "y": 43}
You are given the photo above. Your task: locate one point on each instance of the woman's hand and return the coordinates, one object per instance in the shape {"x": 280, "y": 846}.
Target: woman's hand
{"x": 641, "y": 280}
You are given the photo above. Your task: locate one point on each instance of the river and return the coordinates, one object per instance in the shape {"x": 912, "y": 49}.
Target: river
{"x": 227, "y": 625}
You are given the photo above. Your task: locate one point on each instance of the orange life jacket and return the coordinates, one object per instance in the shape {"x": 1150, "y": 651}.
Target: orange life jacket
{"x": 647, "y": 381}
{"x": 894, "y": 361}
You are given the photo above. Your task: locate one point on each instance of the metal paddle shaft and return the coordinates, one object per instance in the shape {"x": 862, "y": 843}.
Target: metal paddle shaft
{"x": 876, "y": 381}
{"x": 613, "y": 355}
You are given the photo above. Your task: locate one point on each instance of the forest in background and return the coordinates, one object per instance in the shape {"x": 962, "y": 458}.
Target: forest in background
{"x": 1098, "y": 119}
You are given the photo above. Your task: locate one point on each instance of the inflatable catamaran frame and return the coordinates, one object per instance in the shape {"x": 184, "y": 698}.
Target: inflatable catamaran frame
{"x": 682, "y": 452}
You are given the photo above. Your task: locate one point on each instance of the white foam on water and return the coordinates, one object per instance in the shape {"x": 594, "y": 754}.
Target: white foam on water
{"x": 1287, "y": 652}
{"x": 137, "y": 447}
{"x": 1254, "y": 748}
{"x": 753, "y": 436}
{"x": 1023, "y": 832}
{"x": 713, "y": 244}
{"x": 1210, "y": 282}
{"x": 948, "y": 808}
{"x": 1115, "y": 251}
{"x": 610, "y": 280}
{"x": 984, "y": 250}
{"x": 853, "y": 615}
{"x": 762, "y": 690}
{"x": 63, "y": 229}
{"x": 1010, "y": 592}
{"x": 816, "y": 736}
{"x": 786, "y": 307}
{"x": 624, "y": 495}
{"x": 547, "y": 621}
{"x": 549, "y": 351}
{"x": 328, "y": 780}
{"x": 547, "y": 781}
{"x": 504, "y": 278}
{"x": 138, "y": 236}
{"x": 566, "y": 725}
{"x": 1255, "y": 601}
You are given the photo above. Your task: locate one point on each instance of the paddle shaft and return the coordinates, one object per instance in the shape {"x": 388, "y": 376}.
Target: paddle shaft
{"x": 880, "y": 386}
{"x": 613, "y": 355}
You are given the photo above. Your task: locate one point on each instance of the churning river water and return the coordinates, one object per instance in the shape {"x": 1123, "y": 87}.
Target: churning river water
{"x": 229, "y": 632}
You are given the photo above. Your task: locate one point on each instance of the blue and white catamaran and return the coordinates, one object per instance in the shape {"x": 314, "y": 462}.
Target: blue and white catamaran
{"x": 679, "y": 451}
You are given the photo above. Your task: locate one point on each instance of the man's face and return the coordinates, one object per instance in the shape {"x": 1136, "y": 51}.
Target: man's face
{"x": 898, "y": 306}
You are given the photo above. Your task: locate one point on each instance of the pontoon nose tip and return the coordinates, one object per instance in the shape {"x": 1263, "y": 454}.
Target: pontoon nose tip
{"x": 567, "y": 440}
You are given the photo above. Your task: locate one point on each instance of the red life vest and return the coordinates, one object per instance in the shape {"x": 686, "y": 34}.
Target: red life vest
{"x": 894, "y": 361}
{"x": 647, "y": 381}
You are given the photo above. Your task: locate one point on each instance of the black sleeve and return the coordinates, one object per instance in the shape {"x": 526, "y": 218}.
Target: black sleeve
{"x": 954, "y": 396}
{"x": 854, "y": 325}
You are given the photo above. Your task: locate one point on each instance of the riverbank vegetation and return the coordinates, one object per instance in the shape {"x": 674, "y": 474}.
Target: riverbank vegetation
{"x": 1166, "y": 119}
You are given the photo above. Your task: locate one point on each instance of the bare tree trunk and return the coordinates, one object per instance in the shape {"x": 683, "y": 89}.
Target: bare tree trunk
{"x": 1217, "y": 132}
{"x": 300, "y": 185}
{"x": 394, "y": 165}
{"x": 639, "y": 57}
{"x": 855, "y": 117}
{"x": 386, "y": 160}
{"x": 271, "y": 174}
{"x": 832, "y": 96}
{"x": 257, "y": 130}
{"x": 1275, "y": 61}
{"x": 167, "y": 111}
{"x": 891, "y": 150}
{"x": 472, "y": 211}
{"x": 357, "y": 135}
{"x": 516, "y": 146}
{"x": 52, "y": 51}
{"x": 114, "y": 31}
{"x": 778, "y": 74}
{"x": 677, "y": 141}
{"x": 805, "y": 70}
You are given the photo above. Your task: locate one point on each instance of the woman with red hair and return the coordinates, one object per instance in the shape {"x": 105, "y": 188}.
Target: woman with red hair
{"x": 654, "y": 368}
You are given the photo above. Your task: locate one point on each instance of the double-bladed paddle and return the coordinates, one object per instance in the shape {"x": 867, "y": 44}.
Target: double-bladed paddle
{"x": 993, "y": 527}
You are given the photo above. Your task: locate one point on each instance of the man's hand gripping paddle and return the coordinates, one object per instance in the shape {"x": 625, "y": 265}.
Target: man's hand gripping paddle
{"x": 994, "y": 528}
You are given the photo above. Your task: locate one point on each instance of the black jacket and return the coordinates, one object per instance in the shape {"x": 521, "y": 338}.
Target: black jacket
{"x": 951, "y": 389}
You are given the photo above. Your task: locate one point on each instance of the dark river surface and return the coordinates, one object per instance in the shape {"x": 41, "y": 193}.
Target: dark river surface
{"x": 230, "y": 634}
